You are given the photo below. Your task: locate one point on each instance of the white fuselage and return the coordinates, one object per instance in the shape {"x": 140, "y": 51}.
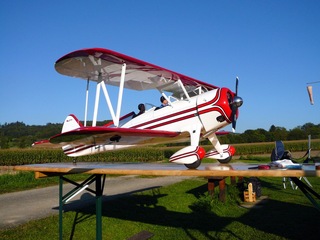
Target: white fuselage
{"x": 183, "y": 116}
{"x": 191, "y": 117}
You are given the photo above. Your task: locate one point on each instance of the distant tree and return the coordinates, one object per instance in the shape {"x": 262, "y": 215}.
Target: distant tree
{"x": 231, "y": 138}
{"x": 272, "y": 128}
{"x": 311, "y": 129}
{"x": 251, "y": 136}
{"x": 297, "y": 134}
{"x": 4, "y": 142}
{"x": 278, "y": 133}
{"x": 50, "y": 129}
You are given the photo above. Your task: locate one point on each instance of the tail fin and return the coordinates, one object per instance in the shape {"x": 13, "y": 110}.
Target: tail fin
{"x": 71, "y": 123}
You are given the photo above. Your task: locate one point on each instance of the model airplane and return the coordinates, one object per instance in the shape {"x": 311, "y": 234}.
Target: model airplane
{"x": 195, "y": 110}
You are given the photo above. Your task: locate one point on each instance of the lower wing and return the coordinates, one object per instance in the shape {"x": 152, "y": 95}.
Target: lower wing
{"x": 106, "y": 135}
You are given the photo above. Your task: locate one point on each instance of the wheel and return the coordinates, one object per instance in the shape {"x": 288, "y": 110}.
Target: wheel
{"x": 226, "y": 160}
{"x": 193, "y": 165}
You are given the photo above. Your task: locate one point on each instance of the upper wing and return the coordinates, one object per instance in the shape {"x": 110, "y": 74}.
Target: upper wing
{"x": 98, "y": 64}
{"x": 106, "y": 135}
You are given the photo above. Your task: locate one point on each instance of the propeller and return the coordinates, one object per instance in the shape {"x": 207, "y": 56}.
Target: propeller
{"x": 235, "y": 104}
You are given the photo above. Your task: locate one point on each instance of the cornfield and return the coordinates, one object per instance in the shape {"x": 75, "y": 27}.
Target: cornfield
{"x": 11, "y": 157}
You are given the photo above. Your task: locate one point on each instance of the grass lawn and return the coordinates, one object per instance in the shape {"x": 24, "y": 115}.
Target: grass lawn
{"x": 186, "y": 211}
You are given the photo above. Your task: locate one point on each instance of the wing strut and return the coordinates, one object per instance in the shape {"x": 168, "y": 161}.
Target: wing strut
{"x": 86, "y": 107}
{"x": 96, "y": 104}
{"x": 123, "y": 74}
{"x": 106, "y": 94}
{"x": 184, "y": 89}
{"x": 115, "y": 117}
{"x": 215, "y": 142}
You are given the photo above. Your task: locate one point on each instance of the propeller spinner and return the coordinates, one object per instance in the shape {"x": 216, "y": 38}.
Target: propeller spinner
{"x": 235, "y": 104}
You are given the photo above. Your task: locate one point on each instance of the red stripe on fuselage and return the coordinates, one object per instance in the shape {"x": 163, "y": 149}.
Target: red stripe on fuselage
{"x": 171, "y": 121}
{"x": 77, "y": 149}
{"x": 155, "y": 122}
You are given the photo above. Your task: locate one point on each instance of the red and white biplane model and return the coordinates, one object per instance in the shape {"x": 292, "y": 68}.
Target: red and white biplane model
{"x": 195, "y": 110}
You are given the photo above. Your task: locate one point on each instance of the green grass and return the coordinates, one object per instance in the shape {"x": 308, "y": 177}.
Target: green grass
{"x": 25, "y": 180}
{"x": 180, "y": 211}
{"x": 186, "y": 211}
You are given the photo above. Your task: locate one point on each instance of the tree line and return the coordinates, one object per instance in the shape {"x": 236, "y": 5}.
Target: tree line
{"x": 274, "y": 133}
{"x": 20, "y": 135}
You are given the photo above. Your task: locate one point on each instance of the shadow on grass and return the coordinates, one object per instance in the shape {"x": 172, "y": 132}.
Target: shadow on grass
{"x": 286, "y": 220}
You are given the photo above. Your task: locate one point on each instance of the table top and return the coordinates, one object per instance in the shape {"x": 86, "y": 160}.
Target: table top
{"x": 168, "y": 169}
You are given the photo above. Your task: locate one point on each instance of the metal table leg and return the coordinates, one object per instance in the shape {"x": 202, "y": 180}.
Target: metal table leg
{"x": 99, "y": 186}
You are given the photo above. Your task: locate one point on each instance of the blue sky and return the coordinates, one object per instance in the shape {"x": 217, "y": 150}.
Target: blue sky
{"x": 273, "y": 46}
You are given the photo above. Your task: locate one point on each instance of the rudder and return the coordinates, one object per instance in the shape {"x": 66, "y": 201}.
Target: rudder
{"x": 71, "y": 123}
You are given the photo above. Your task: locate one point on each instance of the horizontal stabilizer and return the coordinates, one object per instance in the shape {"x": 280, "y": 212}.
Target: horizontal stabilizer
{"x": 44, "y": 144}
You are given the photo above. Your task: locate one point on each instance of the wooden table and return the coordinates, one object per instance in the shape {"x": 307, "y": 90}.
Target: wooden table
{"x": 98, "y": 171}
{"x": 170, "y": 169}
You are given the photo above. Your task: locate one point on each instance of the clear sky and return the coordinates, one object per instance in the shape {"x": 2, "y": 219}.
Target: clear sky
{"x": 273, "y": 46}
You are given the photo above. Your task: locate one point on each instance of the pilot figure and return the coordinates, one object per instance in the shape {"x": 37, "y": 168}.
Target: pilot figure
{"x": 164, "y": 102}
{"x": 141, "y": 108}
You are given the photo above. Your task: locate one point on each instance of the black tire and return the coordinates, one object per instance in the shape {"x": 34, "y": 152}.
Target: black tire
{"x": 226, "y": 160}
{"x": 193, "y": 165}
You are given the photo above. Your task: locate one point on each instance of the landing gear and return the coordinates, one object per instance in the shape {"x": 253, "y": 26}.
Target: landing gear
{"x": 226, "y": 160}
{"x": 193, "y": 165}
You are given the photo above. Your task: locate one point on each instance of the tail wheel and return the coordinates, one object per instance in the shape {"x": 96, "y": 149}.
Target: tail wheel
{"x": 226, "y": 160}
{"x": 193, "y": 165}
